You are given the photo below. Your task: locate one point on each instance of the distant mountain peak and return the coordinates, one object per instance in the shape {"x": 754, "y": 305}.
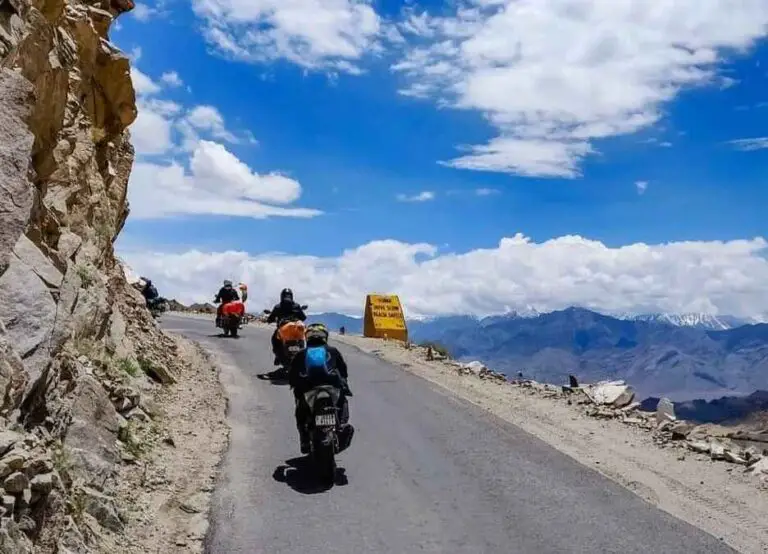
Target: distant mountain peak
{"x": 696, "y": 320}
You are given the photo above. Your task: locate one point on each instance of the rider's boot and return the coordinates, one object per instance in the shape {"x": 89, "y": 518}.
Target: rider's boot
{"x": 304, "y": 441}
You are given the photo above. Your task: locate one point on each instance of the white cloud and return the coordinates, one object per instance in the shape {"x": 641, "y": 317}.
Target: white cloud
{"x": 135, "y": 54}
{"x": 143, "y": 84}
{"x": 486, "y": 192}
{"x": 713, "y": 277}
{"x": 641, "y": 186}
{"x": 424, "y": 196}
{"x": 208, "y": 118}
{"x": 750, "y": 144}
{"x": 314, "y": 34}
{"x": 216, "y": 183}
{"x": 209, "y": 180}
{"x": 554, "y": 76}
{"x": 142, "y": 12}
{"x": 172, "y": 79}
{"x": 151, "y": 132}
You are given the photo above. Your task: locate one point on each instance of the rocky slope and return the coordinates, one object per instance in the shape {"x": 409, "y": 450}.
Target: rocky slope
{"x": 79, "y": 354}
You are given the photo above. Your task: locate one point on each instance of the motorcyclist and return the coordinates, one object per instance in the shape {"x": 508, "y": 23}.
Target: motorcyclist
{"x": 302, "y": 380}
{"x": 227, "y": 293}
{"x": 149, "y": 291}
{"x": 286, "y": 310}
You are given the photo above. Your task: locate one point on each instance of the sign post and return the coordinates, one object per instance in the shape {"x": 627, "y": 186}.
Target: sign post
{"x": 384, "y": 318}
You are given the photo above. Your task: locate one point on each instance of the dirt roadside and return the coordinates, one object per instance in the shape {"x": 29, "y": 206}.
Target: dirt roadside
{"x": 165, "y": 492}
{"x": 718, "y": 498}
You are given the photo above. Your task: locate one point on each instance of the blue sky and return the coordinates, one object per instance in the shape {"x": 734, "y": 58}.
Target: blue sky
{"x": 363, "y": 114}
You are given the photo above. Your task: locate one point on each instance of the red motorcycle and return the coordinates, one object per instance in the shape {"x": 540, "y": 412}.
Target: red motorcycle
{"x": 230, "y": 317}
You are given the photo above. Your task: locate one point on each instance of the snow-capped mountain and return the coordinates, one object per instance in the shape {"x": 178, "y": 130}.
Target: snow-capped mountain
{"x": 699, "y": 321}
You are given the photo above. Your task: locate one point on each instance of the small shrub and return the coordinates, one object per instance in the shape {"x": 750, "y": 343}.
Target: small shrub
{"x": 127, "y": 365}
{"x": 85, "y": 276}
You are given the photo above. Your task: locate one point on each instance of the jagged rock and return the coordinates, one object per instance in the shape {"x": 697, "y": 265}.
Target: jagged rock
{"x": 138, "y": 415}
{"x": 159, "y": 372}
{"x": 28, "y": 312}
{"x": 91, "y": 437}
{"x": 15, "y": 483}
{"x": 11, "y": 463}
{"x": 150, "y": 407}
{"x": 734, "y": 457}
{"x": 665, "y": 411}
{"x": 102, "y": 508}
{"x": 681, "y": 429}
{"x": 27, "y": 524}
{"x": 15, "y": 156}
{"x": 9, "y": 503}
{"x": 38, "y": 466}
{"x": 7, "y": 440}
{"x": 43, "y": 483}
{"x": 30, "y": 255}
{"x": 752, "y": 454}
{"x": 760, "y": 467}
{"x": 613, "y": 393}
{"x": 717, "y": 451}
{"x": 71, "y": 540}
{"x": 13, "y": 376}
{"x": 700, "y": 447}
{"x": 13, "y": 540}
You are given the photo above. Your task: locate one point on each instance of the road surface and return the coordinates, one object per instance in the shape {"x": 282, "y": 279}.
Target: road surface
{"x": 426, "y": 472}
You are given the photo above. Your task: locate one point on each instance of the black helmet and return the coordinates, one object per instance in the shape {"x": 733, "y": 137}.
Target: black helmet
{"x": 227, "y": 283}
{"x": 286, "y": 294}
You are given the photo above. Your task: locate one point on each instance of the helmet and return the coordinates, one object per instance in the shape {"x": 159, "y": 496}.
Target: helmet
{"x": 316, "y": 332}
{"x": 286, "y": 294}
{"x": 227, "y": 283}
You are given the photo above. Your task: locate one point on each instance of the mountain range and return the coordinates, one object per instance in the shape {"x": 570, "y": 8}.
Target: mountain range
{"x": 682, "y": 357}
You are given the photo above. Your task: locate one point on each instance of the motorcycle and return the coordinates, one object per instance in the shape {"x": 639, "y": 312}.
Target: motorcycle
{"x": 291, "y": 334}
{"x": 293, "y": 340}
{"x": 231, "y": 317}
{"x": 323, "y": 425}
{"x": 157, "y": 306}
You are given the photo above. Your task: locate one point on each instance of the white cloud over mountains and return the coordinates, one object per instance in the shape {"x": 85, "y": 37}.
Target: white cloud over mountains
{"x": 711, "y": 277}
{"x": 183, "y": 169}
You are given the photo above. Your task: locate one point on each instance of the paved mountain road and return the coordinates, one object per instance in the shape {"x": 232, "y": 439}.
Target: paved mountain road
{"x": 426, "y": 472}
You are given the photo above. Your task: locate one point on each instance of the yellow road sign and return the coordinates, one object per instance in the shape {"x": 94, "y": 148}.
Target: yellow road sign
{"x": 384, "y": 318}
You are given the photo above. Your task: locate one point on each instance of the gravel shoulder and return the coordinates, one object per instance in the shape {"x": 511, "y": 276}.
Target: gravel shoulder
{"x": 165, "y": 493}
{"x": 717, "y": 498}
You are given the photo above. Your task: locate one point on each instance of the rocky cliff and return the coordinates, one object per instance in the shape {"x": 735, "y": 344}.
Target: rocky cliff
{"x": 74, "y": 336}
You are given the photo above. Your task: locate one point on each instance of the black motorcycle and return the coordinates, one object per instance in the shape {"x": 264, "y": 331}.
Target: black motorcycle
{"x": 323, "y": 427}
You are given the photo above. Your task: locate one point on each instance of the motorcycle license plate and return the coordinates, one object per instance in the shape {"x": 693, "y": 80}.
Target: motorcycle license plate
{"x": 325, "y": 420}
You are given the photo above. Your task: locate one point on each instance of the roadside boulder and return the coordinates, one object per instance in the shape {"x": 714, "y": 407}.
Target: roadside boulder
{"x": 616, "y": 394}
{"x": 665, "y": 411}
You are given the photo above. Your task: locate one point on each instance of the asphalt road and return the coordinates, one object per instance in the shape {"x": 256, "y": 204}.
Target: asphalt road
{"x": 426, "y": 472}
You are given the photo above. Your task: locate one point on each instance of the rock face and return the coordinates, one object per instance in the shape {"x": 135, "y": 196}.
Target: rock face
{"x": 71, "y": 328}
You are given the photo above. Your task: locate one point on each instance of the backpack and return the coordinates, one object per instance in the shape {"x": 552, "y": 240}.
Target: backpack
{"x": 316, "y": 363}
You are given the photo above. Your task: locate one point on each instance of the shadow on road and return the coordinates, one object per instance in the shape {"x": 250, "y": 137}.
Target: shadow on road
{"x": 298, "y": 474}
{"x": 276, "y": 377}
{"x": 223, "y": 336}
